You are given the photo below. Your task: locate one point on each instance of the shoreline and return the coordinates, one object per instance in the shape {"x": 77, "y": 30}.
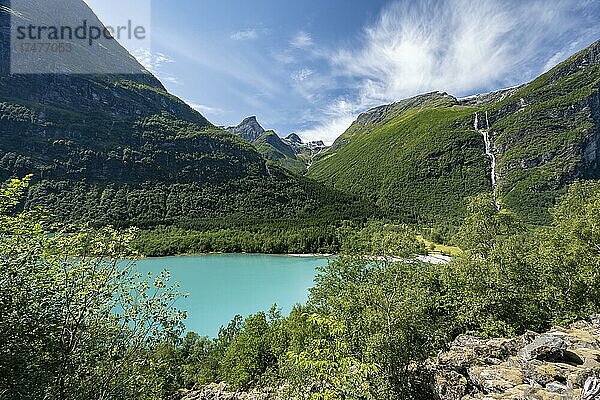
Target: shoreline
{"x": 215, "y": 253}
{"x": 436, "y": 259}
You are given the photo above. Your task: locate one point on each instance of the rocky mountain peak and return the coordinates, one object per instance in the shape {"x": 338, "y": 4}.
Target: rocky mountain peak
{"x": 249, "y": 129}
{"x": 293, "y": 138}
{"x": 317, "y": 143}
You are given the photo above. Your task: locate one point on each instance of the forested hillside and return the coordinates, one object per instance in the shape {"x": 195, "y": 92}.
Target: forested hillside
{"x": 119, "y": 149}
{"x": 420, "y": 158}
{"x": 290, "y": 153}
{"x": 547, "y": 134}
{"x": 273, "y": 148}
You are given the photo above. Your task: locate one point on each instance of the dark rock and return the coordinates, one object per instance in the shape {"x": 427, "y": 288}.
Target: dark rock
{"x": 249, "y": 129}
{"x": 292, "y": 137}
{"x": 545, "y": 347}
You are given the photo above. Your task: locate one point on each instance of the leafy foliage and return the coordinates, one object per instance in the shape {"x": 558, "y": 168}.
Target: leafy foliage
{"x": 372, "y": 321}
{"x": 77, "y": 321}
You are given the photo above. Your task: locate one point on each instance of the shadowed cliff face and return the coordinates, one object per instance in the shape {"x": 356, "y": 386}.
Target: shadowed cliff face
{"x": 591, "y": 151}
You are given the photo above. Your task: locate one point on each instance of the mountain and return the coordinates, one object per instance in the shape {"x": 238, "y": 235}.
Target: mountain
{"x": 249, "y": 129}
{"x": 417, "y": 159}
{"x": 420, "y": 158}
{"x": 119, "y": 149}
{"x": 294, "y": 139}
{"x": 273, "y": 148}
{"x": 290, "y": 153}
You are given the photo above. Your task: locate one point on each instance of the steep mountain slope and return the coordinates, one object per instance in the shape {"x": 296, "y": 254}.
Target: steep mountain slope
{"x": 418, "y": 158}
{"x": 272, "y": 147}
{"x": 290, "y": 153}
{"x": 249, "y": 129}
{"x": 120, "y": 149}
{"x": 547, "y": 134}
{"x": 421, "y": 157}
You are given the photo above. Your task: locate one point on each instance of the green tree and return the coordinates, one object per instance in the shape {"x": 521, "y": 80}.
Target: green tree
{"x": 327, "y": 366}
{"x": 77, "y": 320}
{"x": 484, "y": 225}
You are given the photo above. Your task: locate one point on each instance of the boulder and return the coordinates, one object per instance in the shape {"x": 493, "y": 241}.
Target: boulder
{"x": 545, "y": 347}
{"x": 561, "y": 364}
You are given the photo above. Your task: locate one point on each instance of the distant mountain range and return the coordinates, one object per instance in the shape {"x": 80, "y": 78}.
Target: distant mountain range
{"x": 120, "y": 149}
{"x": 290, "y": 152}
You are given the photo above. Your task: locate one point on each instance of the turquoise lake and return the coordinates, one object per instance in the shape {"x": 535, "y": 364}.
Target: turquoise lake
{"x": 223, "y": 285}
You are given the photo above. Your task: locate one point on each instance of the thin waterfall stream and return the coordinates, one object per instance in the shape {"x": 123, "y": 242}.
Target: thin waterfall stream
{"x": 489, "y": 151}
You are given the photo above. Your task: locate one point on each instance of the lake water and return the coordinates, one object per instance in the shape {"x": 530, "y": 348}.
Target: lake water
{"x": 223, "y": 285}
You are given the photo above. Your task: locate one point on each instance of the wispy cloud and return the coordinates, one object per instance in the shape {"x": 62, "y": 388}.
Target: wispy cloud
{"x": 204, "y": 109}
{"x": 338, "y": 116}
{"x": 154, "y": 62}
{"x": 246, "y": 34}
{"x": 458, "y": 46}
{"x": 246, "y": 72}
{"x": 283, "y": 57}
{"x": 302, "y": 74}
{"x": 302, "y": 40}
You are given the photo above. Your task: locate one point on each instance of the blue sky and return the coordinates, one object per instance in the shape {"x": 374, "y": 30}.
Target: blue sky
{"x": 312, "y": 66}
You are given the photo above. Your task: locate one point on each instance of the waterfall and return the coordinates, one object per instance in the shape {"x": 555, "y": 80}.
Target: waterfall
{"x": 489, "y": 151}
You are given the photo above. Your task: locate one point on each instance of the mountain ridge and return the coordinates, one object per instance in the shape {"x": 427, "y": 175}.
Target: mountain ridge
{"x": 544, "y": 135}
{"x": 290, "y": 152}
{"x": 119, "y": 149}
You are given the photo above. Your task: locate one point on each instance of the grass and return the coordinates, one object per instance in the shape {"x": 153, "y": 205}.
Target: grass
{"x": 437, "y": 248}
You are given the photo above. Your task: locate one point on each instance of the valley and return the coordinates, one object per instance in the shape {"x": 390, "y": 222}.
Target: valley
{"x": 146, "y": 240}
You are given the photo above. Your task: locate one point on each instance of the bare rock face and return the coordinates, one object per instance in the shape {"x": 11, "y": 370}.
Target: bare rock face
{"x": 249, "y": 129}
{"x": 219, "y": 391}
{"x": 557, "y": 365}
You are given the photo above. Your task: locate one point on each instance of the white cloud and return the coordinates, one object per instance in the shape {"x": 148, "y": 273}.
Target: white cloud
{"x": 302, "y": 74}
{"x": 302, "y": 40}
{"x": 246, "y": 34}
{"x": 338, "y": 116}
{"x": 454, "y": 46}
{"x": 457, "y": 46}
{"x": 204, "y": 109}
{"x": 327, "y": 131}
{"x": 153, "y": 62}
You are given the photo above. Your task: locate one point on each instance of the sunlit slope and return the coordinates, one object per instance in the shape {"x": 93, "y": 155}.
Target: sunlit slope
{"x": 421, "y": 157}
{"x": 418, "y": 159}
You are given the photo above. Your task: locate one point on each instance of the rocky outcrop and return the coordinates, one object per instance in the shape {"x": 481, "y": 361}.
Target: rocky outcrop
{"x": 293, "y": 138}
{"x": 249, "y": 129}
{"x": 483, "y": 99}
{"x": 290, "y": 152}
{"x": 563, "y": 363}
{"x": 219, "y": 391}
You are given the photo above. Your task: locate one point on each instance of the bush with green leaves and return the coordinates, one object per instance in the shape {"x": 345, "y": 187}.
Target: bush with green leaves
{"x": 77, "y": 320}
{"x": 376, "y": 314}
{"x": 79, "y": 324}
